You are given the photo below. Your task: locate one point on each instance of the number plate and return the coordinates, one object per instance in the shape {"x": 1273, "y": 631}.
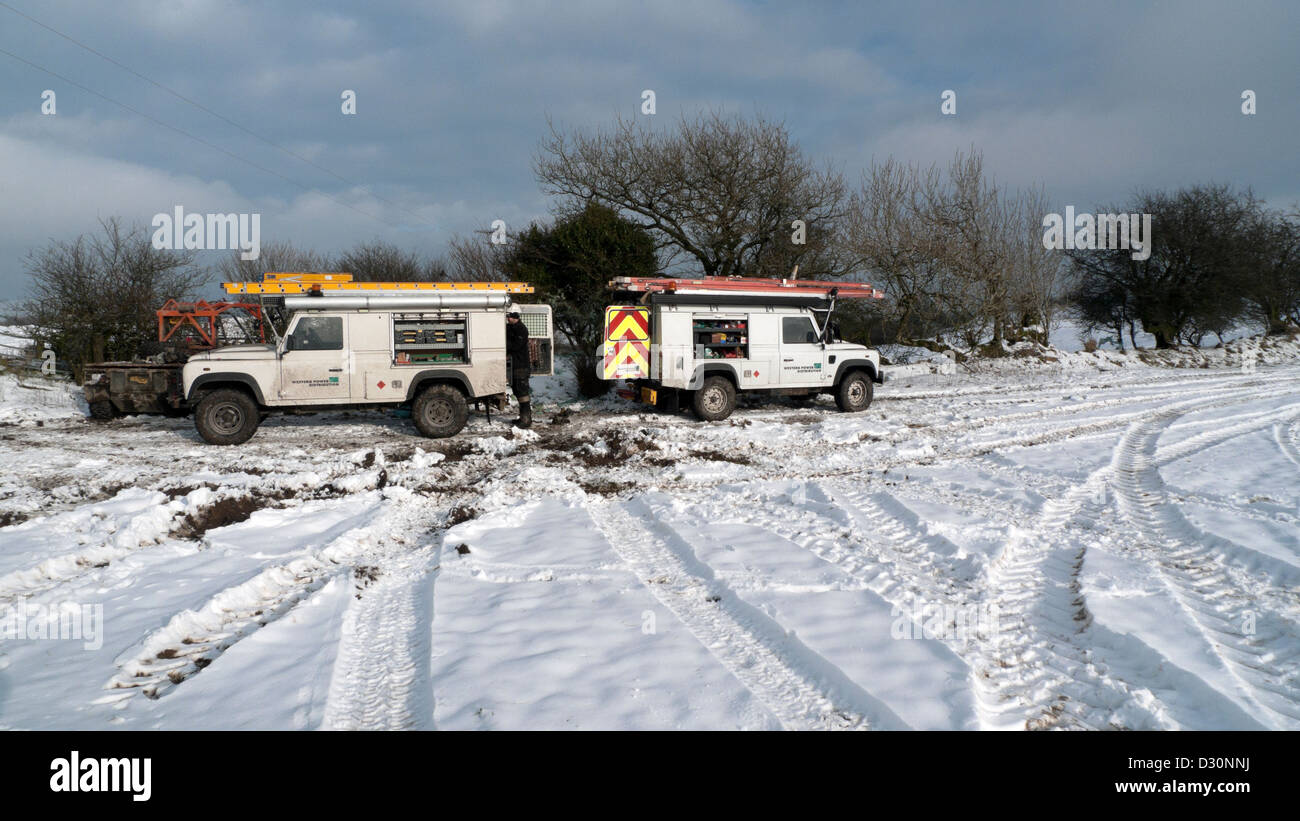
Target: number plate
{"x": 650, "y": 395}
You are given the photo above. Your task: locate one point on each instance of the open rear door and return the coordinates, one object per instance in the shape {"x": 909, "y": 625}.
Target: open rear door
{"x": 627, "y": 343}
{"x": 541, "y": 337}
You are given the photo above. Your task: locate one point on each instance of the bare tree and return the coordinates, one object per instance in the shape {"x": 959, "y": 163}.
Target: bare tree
{"x": 379, "y": 261}
{"x": 1202, "y": 262}
{"x": 955, "y": 253}
{"x": 1036, "y": 271}
{"x": 889, "y": 234}
{"x": 475, "y": 258}
{"x": 95, "y": 298}
{"x": 276, "y": 256}
{"x": 719, "y": 194}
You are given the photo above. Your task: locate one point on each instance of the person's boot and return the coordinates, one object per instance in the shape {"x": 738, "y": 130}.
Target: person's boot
{"x": 525, "y": 419}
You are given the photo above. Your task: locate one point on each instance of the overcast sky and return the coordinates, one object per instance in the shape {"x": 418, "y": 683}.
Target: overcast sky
{"x": 1090, "y": 99}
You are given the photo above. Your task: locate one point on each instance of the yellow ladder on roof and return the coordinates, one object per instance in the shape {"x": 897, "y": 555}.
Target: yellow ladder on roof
{"x": 301, "y": 283}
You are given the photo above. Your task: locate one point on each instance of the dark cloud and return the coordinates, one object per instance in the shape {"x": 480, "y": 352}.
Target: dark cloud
{"x": 1090, "y": 99}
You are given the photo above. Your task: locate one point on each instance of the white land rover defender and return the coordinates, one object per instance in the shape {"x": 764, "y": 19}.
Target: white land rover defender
{"x": 705, "y": 341}
{"x": 434, "y": 352}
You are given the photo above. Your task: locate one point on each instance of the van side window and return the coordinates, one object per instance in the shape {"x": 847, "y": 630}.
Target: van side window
{"x": 797, "y": 330}
{"x": 318, "y": 333}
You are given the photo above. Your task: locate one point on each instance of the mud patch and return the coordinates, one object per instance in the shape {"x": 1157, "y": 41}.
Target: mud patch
{"x": 224, "y": 512}
{"x": 12, "y": 517}
{"x": 364, "y": 575}
{"x": 605, "y": 487}
{"x": 185, "y": 490}
{"x": 459, "y": 514}
{"x": 719, "y": 456}
{"x": 455, "y": 452}
{"x": 620, "y": 446}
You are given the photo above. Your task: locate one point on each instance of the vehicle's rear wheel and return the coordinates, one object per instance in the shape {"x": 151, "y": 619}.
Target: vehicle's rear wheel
{"x": 226, "y": 417}
{"x": 854, "y": 392}
{"x": 102, "y": 410}
{"x": 715, "y": 400}
{"x": 440, "y": 411}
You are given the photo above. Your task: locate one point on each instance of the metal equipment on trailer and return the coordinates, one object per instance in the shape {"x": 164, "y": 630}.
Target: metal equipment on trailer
{"x": 153, "y": 385}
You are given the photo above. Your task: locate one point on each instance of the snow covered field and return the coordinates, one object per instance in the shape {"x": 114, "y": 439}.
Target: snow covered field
{"x": 1070, "y": 548}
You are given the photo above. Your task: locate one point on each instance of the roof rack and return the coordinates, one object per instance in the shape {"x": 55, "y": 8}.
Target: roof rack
{"x": 337, "y": 283}
{"x": 754, "y": 286}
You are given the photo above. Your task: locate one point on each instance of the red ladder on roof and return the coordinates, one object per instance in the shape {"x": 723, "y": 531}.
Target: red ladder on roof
{"x": 751, "y": 285}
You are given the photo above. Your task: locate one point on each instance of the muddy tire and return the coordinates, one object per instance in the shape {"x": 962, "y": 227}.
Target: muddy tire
{"x": 440, "y": 411}
{"x": 715, "y": 400}
{"x": 226, "y": 417}
{"x": 854, "y": 392}
{"x": 102, "y": 411}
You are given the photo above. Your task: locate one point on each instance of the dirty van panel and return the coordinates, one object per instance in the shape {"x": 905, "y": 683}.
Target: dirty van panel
{"x": 314, "y": 365}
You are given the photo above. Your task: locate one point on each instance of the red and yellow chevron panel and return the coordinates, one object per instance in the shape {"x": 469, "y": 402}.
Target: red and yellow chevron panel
{"x": 627, "y": 359}
{"x": 626, "y": 322}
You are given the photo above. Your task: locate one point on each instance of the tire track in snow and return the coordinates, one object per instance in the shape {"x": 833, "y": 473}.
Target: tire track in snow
{"x": 1010, "y": 393}
{"x": 1218, "y": 602}
{"x": 1236, "y": 509}
{"x": 1032, "y": 673}
{"x": 1037, "y": 672}
{"x": 1203, "y": 441}
{"x": 888, "y": 547}
{"x": 1288, "y": 441}
{"x": 381, "y": 678}
{"x": 1013, "y": 420}
{"x": 1017, "y": 439}
{"x": 193, "y": 639}
{"x": 800, "y": 688}
{"x": 151, "y": 528}
{"x": 878, "y": 542}
{"x": 146, "y": 528}
{"x": 1040, "y": 662}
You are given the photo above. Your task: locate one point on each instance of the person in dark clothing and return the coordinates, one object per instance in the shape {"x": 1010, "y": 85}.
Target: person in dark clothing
{"x": 520, "y": 367}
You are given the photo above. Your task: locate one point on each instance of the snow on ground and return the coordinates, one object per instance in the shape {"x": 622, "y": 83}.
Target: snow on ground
{"x": 15, "y": 340}
{"x": 1054, "y": 547}
{"x": 30, "y": 399}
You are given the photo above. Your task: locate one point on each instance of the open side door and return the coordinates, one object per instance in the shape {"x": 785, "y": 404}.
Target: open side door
{"x": 541, "y": 338}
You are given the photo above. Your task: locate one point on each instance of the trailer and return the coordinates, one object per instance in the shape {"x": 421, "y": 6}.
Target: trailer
{"x": 705, "y": 341}
{"x": 153, "y": 385}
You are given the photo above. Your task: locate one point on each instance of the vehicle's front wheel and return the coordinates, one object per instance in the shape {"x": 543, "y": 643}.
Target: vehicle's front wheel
{"x": 854, "y": 392}
{"x": 226, "y": 417}
{"x": 715, "y": 400}
{"x": 440, "y": 411}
